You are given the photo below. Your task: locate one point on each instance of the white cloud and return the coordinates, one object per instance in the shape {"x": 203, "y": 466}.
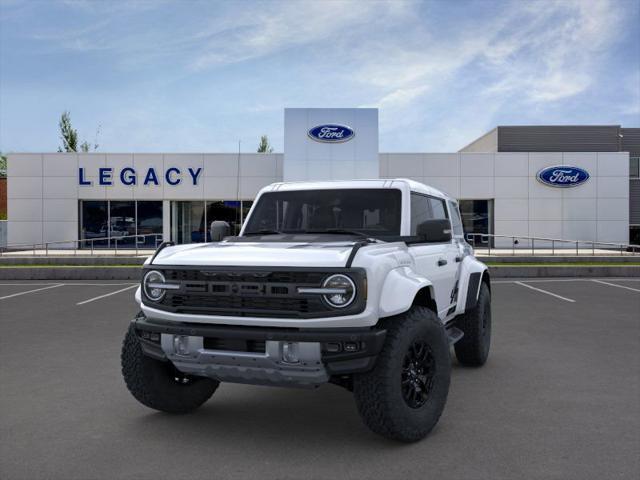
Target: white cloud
{"x": 531, "y": 57}
{"x": 631, "y": 91}
{"x": 400, "y": 97}
{"x": 439, "y": 78}
{"x": 286, "y": 26}
{"x": 554, "y": 52}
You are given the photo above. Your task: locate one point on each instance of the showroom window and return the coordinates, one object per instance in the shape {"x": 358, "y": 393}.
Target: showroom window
{"x": 122, "y": 222}
{"x": 149, "y": 221}
{"x": 187, "y": 222}
{"x": 477, "y": 219}
{"x": 634, "y": 167}
{"x": 190, "y": 220}
{"x": 94, "y": 219}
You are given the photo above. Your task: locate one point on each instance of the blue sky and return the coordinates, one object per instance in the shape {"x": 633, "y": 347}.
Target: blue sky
{"x": 185, "y": 76}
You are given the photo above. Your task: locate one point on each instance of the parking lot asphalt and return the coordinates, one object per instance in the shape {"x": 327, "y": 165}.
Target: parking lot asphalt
{"x": 558, "y": 398}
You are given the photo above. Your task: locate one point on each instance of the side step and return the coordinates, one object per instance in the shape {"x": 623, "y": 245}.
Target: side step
{"x": 454, "y": 334}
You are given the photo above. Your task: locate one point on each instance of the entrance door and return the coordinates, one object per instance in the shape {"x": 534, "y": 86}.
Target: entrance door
{"x": 187, "y": 222}
{"x": 477, "y": 218}
{"x": 190, "y": 221}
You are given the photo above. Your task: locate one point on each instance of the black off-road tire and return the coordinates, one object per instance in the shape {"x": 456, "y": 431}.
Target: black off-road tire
{"x": 473, "y": 348}
{"x": 158, "y": 384}
{"x": 379, "y": 393}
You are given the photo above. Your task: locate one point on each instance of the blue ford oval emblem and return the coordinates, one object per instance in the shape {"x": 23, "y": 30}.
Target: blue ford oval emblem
{"x": 563, "y": 176}
{"x": 331, "y": 133}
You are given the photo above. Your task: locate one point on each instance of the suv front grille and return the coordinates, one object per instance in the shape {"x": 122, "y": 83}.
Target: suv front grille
{"x": 239, "y": 305}
{"x": 254, "y": 293}
{"x": 234, "y": 345}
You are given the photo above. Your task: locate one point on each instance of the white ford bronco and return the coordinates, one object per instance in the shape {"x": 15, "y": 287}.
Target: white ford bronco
{"x": 364, "y": 284}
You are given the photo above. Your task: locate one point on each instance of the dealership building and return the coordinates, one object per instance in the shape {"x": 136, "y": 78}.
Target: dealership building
{"x": 563, "y": 182}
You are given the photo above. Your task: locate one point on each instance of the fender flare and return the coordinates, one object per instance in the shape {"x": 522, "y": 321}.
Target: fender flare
{"x": 399, "y": 290}
{"x": 472, "y": 274}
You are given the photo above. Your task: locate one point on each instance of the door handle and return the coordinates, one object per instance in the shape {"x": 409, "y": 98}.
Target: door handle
{"x": 442, "y": 262}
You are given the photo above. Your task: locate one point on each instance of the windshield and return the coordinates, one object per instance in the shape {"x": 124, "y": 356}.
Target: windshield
{"x": 372, "y": 212}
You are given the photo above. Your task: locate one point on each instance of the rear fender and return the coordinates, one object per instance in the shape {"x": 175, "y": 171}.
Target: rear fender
{"x": 472, "y": 274}
{"x": 399, "y": 290}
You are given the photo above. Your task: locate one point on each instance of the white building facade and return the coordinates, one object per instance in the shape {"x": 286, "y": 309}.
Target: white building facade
{"x": 103, "y": 198}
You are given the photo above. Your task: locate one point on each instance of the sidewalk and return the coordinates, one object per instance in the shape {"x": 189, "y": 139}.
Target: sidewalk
{"x": 125, "y": 264}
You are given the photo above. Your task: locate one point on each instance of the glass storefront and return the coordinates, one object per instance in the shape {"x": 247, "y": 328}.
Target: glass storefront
{"x": 149, "y": 221}
{"x": 187, "y": 222}
{"x": 109, "y": 220}
{"x": 94, "y": 219}
{"x": 190, "y": 220}
{"x": 122, "y": 223}
{"x": 477, "y": 218}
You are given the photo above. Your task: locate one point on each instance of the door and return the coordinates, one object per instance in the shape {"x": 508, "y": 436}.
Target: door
{"x": 458, "y": 242}
{"x": 435, "y": 261}
{"x": 477, "y": 219}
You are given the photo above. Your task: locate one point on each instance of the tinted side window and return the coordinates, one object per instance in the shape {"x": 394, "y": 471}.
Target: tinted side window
{"x": 456, "y": 221}
{"x": 438, "y": 208}
{"x": 420, "y": 211}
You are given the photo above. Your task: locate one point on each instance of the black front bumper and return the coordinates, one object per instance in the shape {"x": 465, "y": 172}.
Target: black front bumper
{"x": 344, "y": 351}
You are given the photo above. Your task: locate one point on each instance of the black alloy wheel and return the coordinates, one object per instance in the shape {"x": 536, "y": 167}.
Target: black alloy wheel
{"x": 418, "y": 372}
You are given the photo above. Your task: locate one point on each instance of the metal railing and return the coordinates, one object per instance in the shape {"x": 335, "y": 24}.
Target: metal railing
{"x": 515, "y": 244}
{"x": 88, "y": 245}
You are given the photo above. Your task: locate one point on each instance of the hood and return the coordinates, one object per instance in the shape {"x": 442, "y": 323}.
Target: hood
{"x": 268, "y": 254}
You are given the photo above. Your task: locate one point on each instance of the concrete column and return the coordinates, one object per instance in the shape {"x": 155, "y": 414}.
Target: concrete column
{"x": 166, "y": 220}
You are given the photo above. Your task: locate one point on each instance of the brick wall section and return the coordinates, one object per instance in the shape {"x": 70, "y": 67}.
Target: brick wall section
{"x": 3, "y": 197}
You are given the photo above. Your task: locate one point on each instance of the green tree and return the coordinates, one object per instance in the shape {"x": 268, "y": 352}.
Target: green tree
{"x": 264, "y": 146}
{"x": 3, "y": 165}
{"x": 69, "y": 136}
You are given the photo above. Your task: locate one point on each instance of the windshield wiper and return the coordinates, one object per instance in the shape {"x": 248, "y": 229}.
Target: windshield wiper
{"x": 264, "y": 231}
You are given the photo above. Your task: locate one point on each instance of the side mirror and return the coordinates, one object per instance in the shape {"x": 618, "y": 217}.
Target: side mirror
{"x": 436, "y": 231}
{"x": 219, "y": 229}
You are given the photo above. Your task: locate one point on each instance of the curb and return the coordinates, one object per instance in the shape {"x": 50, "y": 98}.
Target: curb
{"x": 564, "y": 271}
{"x": 133, "y": 272}
{"x": 70, "y": 273}
{"x": 72, "y": 260}
{"x": 617, "y": 259}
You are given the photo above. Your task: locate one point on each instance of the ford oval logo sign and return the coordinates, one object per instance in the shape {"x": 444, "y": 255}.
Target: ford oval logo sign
{"x": 331, "y": 133}
{"x": 563, "y": 176}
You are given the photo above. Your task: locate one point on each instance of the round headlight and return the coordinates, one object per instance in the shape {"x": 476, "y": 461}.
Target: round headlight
{"x": 155, "y": 294}
{"x": 345, "y": 290}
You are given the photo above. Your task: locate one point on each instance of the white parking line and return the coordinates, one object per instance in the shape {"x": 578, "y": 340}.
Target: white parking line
{"x": 107, "y": 294}
{"x": 551, "y": 280}
{"x": 31, "y": 291}
{"x": 616, "y": 285}
{"x": 544, "y": 291}
{"x": 76, "y": 283}
{"x": 103, "y": 284}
